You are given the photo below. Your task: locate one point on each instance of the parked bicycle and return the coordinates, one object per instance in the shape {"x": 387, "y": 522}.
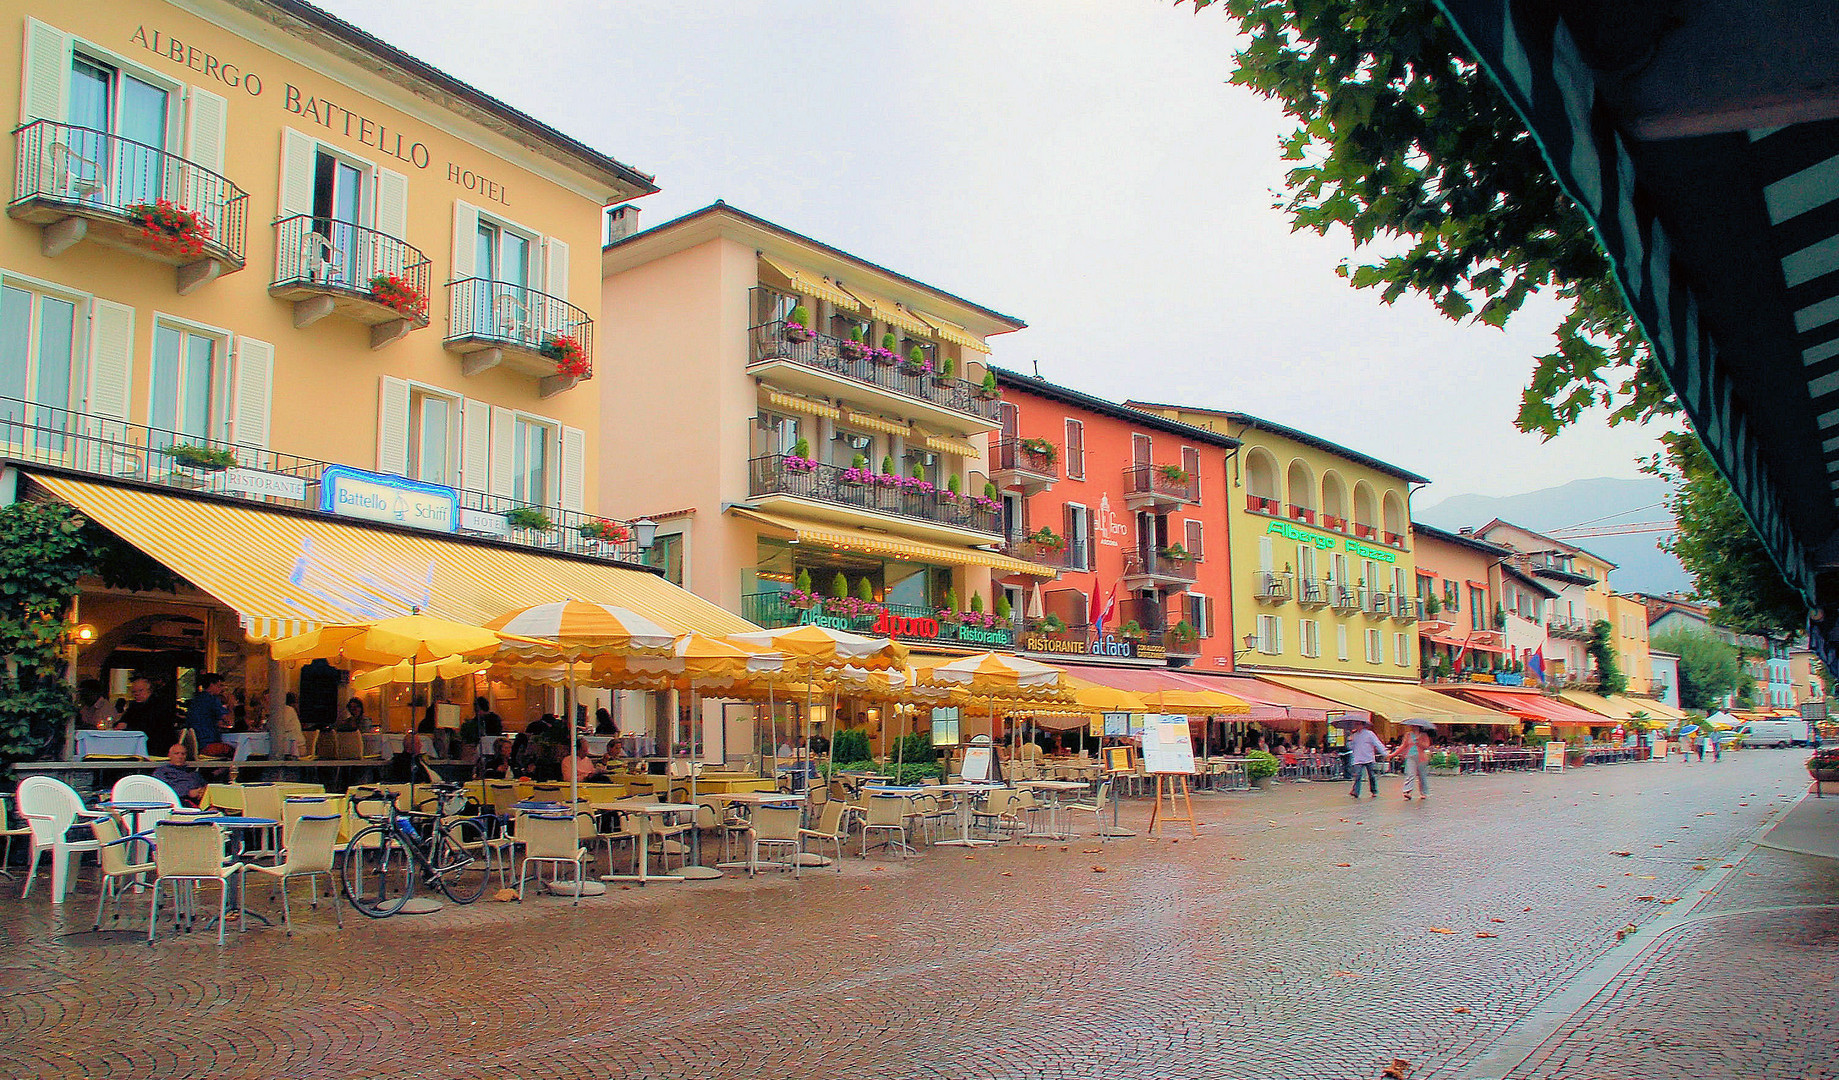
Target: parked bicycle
{"x": 386, "y": 859}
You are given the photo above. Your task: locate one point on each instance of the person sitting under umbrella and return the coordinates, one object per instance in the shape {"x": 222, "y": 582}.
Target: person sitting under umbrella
{"x": 582, "y": 767}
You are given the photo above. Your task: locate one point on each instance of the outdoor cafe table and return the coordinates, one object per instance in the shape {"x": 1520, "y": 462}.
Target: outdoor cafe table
{"x": 230, "y": 796}
{"x": 645, "y": 811}
{"x": 962, "y": 794}
{"x": 752, "y": 799}
{"x": 234, "y": 824}
{"x": 1056, "y": 792}
{"x": 111, "y": 743}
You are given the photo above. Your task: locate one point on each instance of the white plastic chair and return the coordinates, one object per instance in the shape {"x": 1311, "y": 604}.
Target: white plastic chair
{"x": 312, "y": 840}
{"x": 68, "y": 181}
{"x": 322, "y": 259}
{"x": 142, "y": 788}
{"x": 50, "y": 808}
{"x": 512, "y": 317}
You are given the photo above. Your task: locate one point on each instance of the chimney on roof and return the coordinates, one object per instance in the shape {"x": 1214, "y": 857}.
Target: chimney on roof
{"x": 622, "y": 221}
{"x": 1467, "y": 530}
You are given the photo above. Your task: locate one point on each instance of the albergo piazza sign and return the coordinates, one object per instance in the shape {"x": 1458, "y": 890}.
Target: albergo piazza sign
{"x": 1328, "y": 542}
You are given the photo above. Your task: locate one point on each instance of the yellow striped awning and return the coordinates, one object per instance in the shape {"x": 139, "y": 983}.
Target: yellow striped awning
{"x": 891, "y": 313}
{"x": 287, "y": 573}
{"x": 1396, "y": 701}
{"x": 868, "y": 543}
{"x": 876, "y": 423}
{"x": 940, "y": 444}
{"x": 797, "y": 403}
{"x": 815, "y": 286}
{"x": 953, "y": 333}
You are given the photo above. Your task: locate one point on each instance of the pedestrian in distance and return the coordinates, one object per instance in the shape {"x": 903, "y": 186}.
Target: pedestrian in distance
{"x": 1365, "y": 750}
{"x": 1702, "y": 743}
{"x": 1414, "y": 751}
{"x": 1717, "y": 749}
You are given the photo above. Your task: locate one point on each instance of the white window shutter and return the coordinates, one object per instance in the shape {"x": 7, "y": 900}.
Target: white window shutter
{"x": 1267, "y": 557}
{"x": 555, "y": 268}
{"x": 393, "y": 426}
{"x": 254, "y": 393}
{"x": 465, "y": 236}
{"x": 1341, "y": 642}
{"x": 298, "y": 152}
{"x": 46, "y": 83}
{"x": 504, "y": 453}
{"x": 392, "y": 220}
{"x": 207, "y": 129}
{"x": 475, "y": 445}
{"x": 111, "y": 360}
{"x": 574, "y": 469}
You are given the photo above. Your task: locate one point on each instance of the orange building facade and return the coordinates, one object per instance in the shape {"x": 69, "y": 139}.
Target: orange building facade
{"x": 1131, "y": 509}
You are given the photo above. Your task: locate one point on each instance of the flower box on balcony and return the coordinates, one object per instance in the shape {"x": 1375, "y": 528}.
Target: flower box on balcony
{"x": 799, "y": 334}
{"x": 1303, "y": 514}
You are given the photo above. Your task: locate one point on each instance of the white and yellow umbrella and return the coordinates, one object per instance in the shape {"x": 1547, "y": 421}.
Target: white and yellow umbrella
{"x": 450, "y": 667}
{"x": 810, "y": 650}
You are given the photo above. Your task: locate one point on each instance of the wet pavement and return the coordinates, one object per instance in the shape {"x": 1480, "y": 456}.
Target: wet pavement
{"x": 1303, "y": 934}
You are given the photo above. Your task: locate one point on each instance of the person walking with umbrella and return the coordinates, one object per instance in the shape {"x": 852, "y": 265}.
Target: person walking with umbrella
{"x": 1414, "y": 748}
{"x": 1366, "y": 749}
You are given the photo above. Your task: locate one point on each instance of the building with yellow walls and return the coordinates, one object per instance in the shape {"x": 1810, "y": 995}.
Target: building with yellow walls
{"x": 301, "y": 315}
{"x": 1628, "y": 623}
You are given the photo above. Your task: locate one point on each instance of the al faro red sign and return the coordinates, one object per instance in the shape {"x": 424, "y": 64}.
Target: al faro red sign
{"x": 899, "y": 625}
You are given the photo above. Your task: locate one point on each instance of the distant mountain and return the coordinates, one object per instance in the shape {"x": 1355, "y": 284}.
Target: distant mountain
{"x": 1604, "y": 503}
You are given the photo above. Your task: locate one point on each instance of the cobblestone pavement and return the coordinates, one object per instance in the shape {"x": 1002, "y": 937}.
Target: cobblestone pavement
{"x": 1300, "y": 936}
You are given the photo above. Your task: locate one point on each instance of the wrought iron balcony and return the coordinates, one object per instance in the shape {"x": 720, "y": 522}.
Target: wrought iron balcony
{"x": 35, "y": 434}
{"x": 1343, "y": 597}
{"x": 1378, "y": 603}
{"x": 1566, "y": 626}
{"x": 1407, "y": 608}
{"x": 1029, "y": 466}
{"x": 1312, "y": 592}
{"x": 1273, "y": 588}
{"x": 1148, "y": 569}
{"x": 858, "y": 489}
{"x": 79, "y": 183}
{"x": 837, "y": 358}
{"x": 491, "y": 323}
{"x": 1071, "y": 553}
{"x": 330, "y": 267}
{"x": 1159, "y": 488}
{"x": 872, "y": 617}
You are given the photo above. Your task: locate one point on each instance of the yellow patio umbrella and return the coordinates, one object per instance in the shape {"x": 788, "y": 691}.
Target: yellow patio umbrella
{"x": 810, "y": 649}
{"x": 1002, "y": 679}
{"x": 449, "y": 667}
{"x": 1195, "y": 703}
{"x": 1099, "y": 698}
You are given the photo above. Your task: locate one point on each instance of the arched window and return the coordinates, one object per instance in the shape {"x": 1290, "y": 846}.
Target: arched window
{"x": 1366, "y": 511}
{"x": 1261, "y": 492}
{"x": 1301, "y": 486}
{"x": 1395, "y": 519}
{"x": 1334, "y": 501}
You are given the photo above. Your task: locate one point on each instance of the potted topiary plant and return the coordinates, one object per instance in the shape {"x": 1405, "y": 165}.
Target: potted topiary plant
{"x": 946, "y": 370}
{"x": 1261, "y": 768}
{"x": 798, "y": 325}
{"x": 988, "y": 389}
{"x": 885, "y": 353}
{"x": 853, "y": 348}
{"x": 915, "y": 362}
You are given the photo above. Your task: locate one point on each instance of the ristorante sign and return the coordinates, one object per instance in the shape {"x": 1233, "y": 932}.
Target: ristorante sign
{"x": 1326, "y": 542}
{"x": 1106, "y": 645}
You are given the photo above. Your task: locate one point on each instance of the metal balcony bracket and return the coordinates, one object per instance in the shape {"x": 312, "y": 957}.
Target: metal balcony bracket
{"x": 62, "y": 235}
{"x": 311, "y": 310}
{"x": 483, "y": 360}
{"x": 384, "y": 333}
{"x": 195, "y": 275}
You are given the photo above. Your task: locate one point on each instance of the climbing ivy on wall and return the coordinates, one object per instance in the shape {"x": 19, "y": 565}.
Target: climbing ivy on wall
{"x": 42, "y": 555}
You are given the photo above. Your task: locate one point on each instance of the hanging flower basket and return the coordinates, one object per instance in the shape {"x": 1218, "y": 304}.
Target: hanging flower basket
{"x": 799, "y": 333}
{"x": 181, "y": 231}
{"x": 607, "y": 532}
{"x": 571, "y": 359}
{"x": 399, "y": 296}
{"x": 852, "y": 350}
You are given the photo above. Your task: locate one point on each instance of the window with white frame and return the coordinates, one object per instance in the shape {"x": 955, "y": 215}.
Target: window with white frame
{"x": 1374, "y": 647}
{"x": 185, "y": 397}
{"x": 1310, "y": 637}
{"x": 434, "y": 437}
{"x": 1079, "y": 537}
{"x": 1270, "y": 635}
{"x": 38, "y": 359}
{"x": 1401, "y": 650}
{"x": 1340, "y": 642}
{"x": 532, "y": 469}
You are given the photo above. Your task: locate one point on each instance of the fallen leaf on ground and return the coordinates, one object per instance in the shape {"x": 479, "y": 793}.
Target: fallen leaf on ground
{"x": 1236, "y": 858}
{"x": 1647, "y": 877}
{"x": 1461, "y": 1009}
{"x": 1646, "y": 898}
{"x": 1342, "y": 975}
{"x": 1400, "y": 1069}
{"x": 505, "y": 896}
{"x": 1088, "y": 851}
{"x": 1497, "y": 920}
{"x": 1727, "y": 866}
{"x": 1624, "y": 854}
{"x": 1675, "y": 900}
{"x": 1441, "y": 930}
{"x": 1008, "y": 873}
{"x": 1526, "y": 909}
{"x": 1098, "y": 869}
{"x": 1484, "y": 933}
{"x": 1602, "y": 886}
{"x": 1344, "y": 865}
{"x": 1748, "y": 873}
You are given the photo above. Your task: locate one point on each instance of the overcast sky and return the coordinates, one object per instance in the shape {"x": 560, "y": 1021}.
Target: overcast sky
{"x": 1079, "y": 164}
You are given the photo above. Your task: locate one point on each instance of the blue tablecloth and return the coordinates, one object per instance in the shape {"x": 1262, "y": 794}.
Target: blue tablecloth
{"x": 257, "y": 743}
{"x": 114, "y": 743}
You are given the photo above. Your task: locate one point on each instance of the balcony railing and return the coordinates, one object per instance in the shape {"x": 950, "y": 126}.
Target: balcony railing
{"x": 497, "y": 322}
{"x": 1161, "y": 483}
{"x": 1365, "y": 532}
{"x": 1304, "y": 514}
{"x": 1343, "y": 597}
{"x": 1330, "y": 521}
{"x": 1378, "y": 603}
{"x": 1567, "y": 626}
{"x": 1393, "y": 539}
{"x": 845, "y": 359}
{"x": 1070, "y": 555}
{"x": 36, "y": 434}
{"x": 1273, "y": 588}
{"x": 1258, "y": 504}
{"x": 74, "y": 174}
{"x": 1407, "y": 608}
{"x": 1154, "y": 564}
{"x": 905, "y": 621}
{"x": 782, "y": 474}
{"x": 326, "y": 265}
{"x": 1312, "y": 592}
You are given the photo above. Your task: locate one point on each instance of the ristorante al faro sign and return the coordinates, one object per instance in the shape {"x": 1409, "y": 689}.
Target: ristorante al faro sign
{"x": 1326, "y": 542}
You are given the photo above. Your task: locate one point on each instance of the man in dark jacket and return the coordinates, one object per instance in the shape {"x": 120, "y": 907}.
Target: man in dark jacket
{"x": 204, "y": 713}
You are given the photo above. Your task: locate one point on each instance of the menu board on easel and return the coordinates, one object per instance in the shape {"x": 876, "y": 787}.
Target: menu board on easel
{"x": 976, "y": 764}
{"x": 1554, "y": 756}
{"x": 1167, "y": 745}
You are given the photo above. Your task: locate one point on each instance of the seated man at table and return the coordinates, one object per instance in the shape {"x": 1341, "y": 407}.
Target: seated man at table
{"x": 185, "y": 783}
{"x": 582, "y": 767}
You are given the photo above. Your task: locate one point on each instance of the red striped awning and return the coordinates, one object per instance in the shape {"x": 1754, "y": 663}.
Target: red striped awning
{"x": 1531, "y": 705}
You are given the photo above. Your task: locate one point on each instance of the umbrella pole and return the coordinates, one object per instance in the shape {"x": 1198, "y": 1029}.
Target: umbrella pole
{"x": 574, "y": 771}
{"x": 413, "y": 761}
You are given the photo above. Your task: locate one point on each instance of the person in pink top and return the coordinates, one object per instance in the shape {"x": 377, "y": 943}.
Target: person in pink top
{"x": 1366, "y": 749}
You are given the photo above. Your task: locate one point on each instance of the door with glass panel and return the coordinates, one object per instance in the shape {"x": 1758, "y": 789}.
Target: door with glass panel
{"x": 507, "y": 307}
{"x": 114, "y": 153}
{"x": 182, "y": 405}
{"x": 338, "y": 256}
{"x": 433, "y": 428}
{"x": 531, "y": 466}
{"x": 37, "y": 371}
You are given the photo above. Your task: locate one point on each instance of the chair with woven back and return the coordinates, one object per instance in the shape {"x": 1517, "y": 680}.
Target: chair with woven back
{"x": 311, "y": 846}
{"x": 348, "y": 745}
{"x": 777, "y": 825}
{"x": 886, "y": 814}
{"x": 832, "y": 828}
{"x": 190, "y": 852}
{"x": 263, "y": 801}
{"x": 116, "y": 867}
{"x": 551, "y": 839}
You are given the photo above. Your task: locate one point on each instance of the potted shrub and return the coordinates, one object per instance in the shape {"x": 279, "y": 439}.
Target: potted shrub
{"x": 947, "y": 371}
{"x": 529, "y": 518}
{"x": 200, "y": 458}
{"x": 1043, "y": 451}
{"x": 884, "y": 354}
{"x": 798, "y": 325}
{"x": 915, "y": 362}
{"x": 605, "y": 531}
{"x": 1823, "y": 766}
{"x": 1445, "y": 762}
{"x": 1003, "y": 608}
{"x": 854, "y": 348}
{"x": 1261, "y": 767}
{"x": 1132, "y": 631}
{"x": 1177, "y": 553}
{"x": 1047, "y": 540}
{"x": 1053, "y": 624}
{"x": 987, "y": 389}
{"x": 1184, "y": 633}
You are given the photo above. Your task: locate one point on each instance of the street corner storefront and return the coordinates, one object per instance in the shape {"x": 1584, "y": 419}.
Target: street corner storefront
{"x": 936, "y": 598}
{"x": 247, "y": 573}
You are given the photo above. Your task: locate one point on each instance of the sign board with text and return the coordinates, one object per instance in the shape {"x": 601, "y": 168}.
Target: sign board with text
{"x": 976, "y": 764}
{"x": 1168, "y": 746}
{"x": 1554, "y": 756}
{"x": 389, "y": 500}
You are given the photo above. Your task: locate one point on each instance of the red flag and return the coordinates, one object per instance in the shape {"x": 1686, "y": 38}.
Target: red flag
{"x": 1101, "y": 614}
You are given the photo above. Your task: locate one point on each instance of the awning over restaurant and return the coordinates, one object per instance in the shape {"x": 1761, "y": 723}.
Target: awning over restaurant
{"x": 1618, "y": 708}
{"x": 287, "y": 573}
{"x": 1659, "y": 710}
{"x": 1147, "y": 680}
{"x": 1396, "y": 701}
{"x": 1528, "y": 705}
{"x": 847, "y": 539}
{"x": 1272, "y": 705}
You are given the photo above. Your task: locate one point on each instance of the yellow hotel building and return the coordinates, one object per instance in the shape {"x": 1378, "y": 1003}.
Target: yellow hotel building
{"x": 303, "y": 317}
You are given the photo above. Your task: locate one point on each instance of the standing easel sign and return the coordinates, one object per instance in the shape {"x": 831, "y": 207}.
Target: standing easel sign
{"x": 976, "y": 764}
{"x": 1120, "y": 759}
{"x": 1168, "y": 754}
{"x": 1554, "y": 756}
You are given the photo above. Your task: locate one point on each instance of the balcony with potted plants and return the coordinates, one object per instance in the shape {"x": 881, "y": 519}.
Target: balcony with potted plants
{"x": 863, "y": 495}
{"x": 1044, "y": 547}
{"x": 1182, "y": 640}
{"x": 1304, "y": 514}
{"x": 492, "y": 324}
{"x": 333, "y": 268}
{"x": 1364, "y": 531}
{"x": 81, "y": 184}
{"x": 1167, "y": 567}
{"x": 1029, "y": 466}
{"x": 906, "y": 378}
{"x": 1159, "y": 489}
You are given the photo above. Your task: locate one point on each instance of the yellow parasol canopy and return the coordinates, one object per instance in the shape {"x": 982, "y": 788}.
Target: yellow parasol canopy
{"x": 574, "y": 629}
{"x": 996, "y": 674}
{"x": 421, "y": 639}
{"x": 1099, "y": 698}
{"x": 445, "y": 668}
{"x": 821, "y": 646}
{"x": 1194, "y": 703}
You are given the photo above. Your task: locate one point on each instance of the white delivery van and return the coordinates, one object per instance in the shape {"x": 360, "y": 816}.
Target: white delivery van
{"x": 1778, "y": 733}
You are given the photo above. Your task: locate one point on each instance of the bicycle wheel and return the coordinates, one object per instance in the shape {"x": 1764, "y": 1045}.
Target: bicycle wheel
{"x": 378, "y": 874}
{"x": 465, "y": 862}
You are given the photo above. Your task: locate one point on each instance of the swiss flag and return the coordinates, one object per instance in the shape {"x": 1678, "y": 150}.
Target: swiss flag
{"x": 1101, "y": 611}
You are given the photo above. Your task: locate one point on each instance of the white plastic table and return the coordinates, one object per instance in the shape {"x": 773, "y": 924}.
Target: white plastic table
{"x": 646, "y": 811}
{"x": 962, "y": 795}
